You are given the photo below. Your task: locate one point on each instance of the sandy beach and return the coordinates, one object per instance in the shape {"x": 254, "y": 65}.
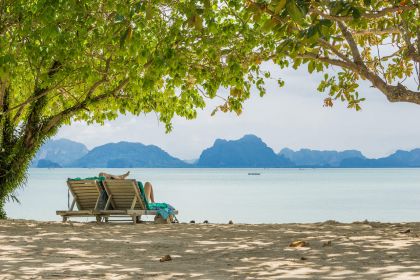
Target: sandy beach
{"x": 360, "y": 250}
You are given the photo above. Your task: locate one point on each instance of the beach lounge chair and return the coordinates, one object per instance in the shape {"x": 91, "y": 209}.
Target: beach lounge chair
{"x": 86, "y": 196}
{"x": 126, "y": 199}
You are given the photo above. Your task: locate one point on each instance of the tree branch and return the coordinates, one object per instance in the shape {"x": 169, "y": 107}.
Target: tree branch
{"x": 386, "y": 57}
{"x": 332, "y": 61}
{"x": 104, "y": 79}
{"x": 400, "y": 93}
{"x": 411, "y": 49}
{"x": 397, "y": 93}
{"x": 376, "y": 31}
{"x": 6, "y": 127}
{"x": 352, "y": 43}
{"x": 264, "y": 8}
{"x": 418, "y": 41}
{"x": 31, "y": 126}
{"x": 370, "y": 15}
{"x": 33, "y": 98}
{"x": 56, "y": 66}
{"x": 2, "y": 95}
{"x": 53, "y": 121}
{"x": 355, "y": 63}
{"x": 330, "y": 47}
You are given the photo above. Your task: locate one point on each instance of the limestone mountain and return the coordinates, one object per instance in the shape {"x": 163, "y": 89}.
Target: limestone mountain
{"x": 249, "y": 151}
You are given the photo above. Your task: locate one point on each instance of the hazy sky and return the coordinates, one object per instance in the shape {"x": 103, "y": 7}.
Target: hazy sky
{"x": 292, "y": 116}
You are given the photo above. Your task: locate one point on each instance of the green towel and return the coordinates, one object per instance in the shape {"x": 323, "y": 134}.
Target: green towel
{"x": 143, "y": 195}
{"x": 164, "y": 209}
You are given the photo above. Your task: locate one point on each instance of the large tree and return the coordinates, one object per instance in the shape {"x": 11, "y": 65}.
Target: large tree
{"x": 64, "y": 60}
{"x": 374, "y": 40}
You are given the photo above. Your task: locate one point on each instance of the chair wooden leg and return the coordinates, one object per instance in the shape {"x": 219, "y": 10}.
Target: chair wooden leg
{"x": 98, "y": 218}
{"x": 64, "y": 219}
{"x": 138, "y": 219}
{"x": 134, "y": 219}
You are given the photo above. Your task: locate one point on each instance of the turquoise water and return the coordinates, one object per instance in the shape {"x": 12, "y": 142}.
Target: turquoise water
{"x": 275, "y": 196}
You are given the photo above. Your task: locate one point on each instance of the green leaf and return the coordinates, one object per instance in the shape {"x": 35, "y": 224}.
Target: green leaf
{"x": 356, "y": 13}
{"x": 198, "y": 22}
{"x": 123, "y": 38}
{"x": 269, "y": 24}
{"x": 280, "y": 6}
{"x": 325, "y": 22}
{"x": 149, "y": 11}
{"x": 311, "y": 67}
{"x": 312, "y": 31}
{"x": 294, "y": 11}
{"x": 119, "y": 18}
{"x": 303, "y": 5}
{"x": 367, "y": 2}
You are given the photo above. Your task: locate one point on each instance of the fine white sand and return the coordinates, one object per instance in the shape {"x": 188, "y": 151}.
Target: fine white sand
{"x": 47, "y": 250}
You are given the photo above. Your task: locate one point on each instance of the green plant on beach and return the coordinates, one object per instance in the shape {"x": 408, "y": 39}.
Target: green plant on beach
{"x": 69, "y": 60}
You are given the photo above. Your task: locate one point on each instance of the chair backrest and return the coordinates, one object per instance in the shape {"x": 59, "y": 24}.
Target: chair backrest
{"x": 86, "y": 193}
{"x": 124, "y": 194}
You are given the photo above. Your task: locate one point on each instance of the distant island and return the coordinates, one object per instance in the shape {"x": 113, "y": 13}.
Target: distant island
{"x": 247, "y": 152}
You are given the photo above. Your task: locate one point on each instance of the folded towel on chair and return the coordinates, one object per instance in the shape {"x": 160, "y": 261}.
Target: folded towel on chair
{"x": 164, "y": 209}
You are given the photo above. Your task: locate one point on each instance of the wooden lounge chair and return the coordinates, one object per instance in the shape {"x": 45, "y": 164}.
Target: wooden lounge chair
{"x": 125, "y": 199}
{"x": 86, "y": 196}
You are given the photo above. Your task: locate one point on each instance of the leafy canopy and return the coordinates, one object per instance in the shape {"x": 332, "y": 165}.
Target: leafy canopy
{"x": 90, "y": 60}
{"x": 364, "y": 39}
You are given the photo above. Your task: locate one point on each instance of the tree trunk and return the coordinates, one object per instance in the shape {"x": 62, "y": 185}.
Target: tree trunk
{"x": 3, "y": 197}
{"x": 16, "y": 152}
{"x": 19, "y": 143}
{"x": 2, "y": 210}
{"x": 16, "y": 156}
{"x": 14, "y": 163}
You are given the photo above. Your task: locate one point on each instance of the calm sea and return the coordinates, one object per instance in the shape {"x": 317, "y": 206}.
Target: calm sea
{"x": 275, "y": 196}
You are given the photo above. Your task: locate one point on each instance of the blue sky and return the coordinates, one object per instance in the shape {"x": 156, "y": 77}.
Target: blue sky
{"x": 292, "y": 116}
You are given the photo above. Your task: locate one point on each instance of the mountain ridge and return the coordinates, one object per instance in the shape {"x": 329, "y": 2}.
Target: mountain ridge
{"x": 128, "y": 154}
{"x": 326, "y": 158}
{"x": 249, "y": 151}
{"x": 59, "y": 152}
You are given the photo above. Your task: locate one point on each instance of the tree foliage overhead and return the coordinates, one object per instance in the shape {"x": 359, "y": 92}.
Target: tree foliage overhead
{"x": 375, "y": 40}
{"x": 93, "y": 59}
{"x": 63, "y": 60}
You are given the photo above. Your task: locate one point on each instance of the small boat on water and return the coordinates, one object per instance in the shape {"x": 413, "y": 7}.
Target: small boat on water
{"x": 254, "y": 173}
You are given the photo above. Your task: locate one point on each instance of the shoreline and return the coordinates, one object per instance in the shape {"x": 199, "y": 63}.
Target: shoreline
{"x": 358, "y": 250}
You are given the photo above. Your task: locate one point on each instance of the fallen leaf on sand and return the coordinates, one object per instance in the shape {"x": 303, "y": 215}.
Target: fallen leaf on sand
{"x": 165, "y": 258}
{"x": 299, "y": 243}
{"x": 406, "y": 231}
{"x": 302, "y": 258}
